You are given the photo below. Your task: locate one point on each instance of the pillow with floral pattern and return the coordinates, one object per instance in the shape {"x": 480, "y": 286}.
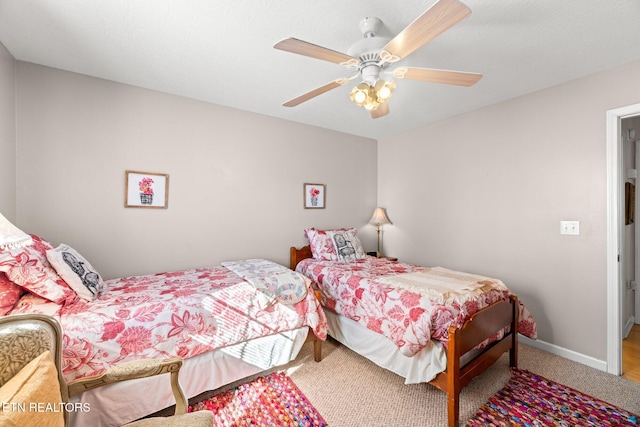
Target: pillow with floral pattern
{"x": 39, "y": 250}
{"x": 29, "y": 268}
{"x": 323, "y": 246}
{"x": 321, "y": 243}
{"x": 10, "y": 293}
{"x": 31, "y": 303}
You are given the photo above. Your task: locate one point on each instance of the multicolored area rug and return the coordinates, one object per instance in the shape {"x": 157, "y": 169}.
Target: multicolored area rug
{"x": 531, "y": 400}
{"x": 272, "y": 400}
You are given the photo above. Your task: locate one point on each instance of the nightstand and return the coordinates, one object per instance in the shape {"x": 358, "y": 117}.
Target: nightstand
{"x": 375, "y": 254}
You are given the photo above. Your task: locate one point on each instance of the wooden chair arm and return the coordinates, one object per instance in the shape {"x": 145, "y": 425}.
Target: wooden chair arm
{"x": 136, "y": 369}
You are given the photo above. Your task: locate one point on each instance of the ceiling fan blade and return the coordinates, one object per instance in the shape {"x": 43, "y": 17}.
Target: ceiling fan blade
{"x": 443, "y": 15}
{"x": 318, "y": 91}
{"x": 382, "y": 110}
{"x": 459, "y": 78}
{"x": 314, "y": 51}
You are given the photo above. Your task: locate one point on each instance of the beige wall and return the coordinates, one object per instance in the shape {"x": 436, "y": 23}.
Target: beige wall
{"x": 485, "y": 192}
{"x": 235, "y": 177}
{"x": 7, "y": 135}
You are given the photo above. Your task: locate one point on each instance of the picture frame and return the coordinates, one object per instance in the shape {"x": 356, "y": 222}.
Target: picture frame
{"x": 146, "y": 190}
{"x": 314, "y": 196}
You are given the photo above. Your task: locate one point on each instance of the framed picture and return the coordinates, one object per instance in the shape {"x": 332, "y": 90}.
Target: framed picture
{"x": 314, "y": 196}
{"x": 146, "y": 190}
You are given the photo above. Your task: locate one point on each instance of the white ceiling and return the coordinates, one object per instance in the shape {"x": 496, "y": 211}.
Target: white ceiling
{"x": 221, "y": 51}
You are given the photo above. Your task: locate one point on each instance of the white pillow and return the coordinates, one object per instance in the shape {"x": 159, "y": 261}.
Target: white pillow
{"x": 347, "y": 245}
{"x": 77, "y": 272}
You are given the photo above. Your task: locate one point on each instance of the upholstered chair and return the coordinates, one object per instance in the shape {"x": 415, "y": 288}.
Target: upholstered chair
{"x": 30, "y": 371}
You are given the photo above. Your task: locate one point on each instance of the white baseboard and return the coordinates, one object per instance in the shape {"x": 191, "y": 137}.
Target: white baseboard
{"x": 627, "y": 327}
{"x": 563, "y": 352}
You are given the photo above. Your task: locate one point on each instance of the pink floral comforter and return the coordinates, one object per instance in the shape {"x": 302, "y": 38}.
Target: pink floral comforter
{"x": 182, "y": 313}
{"x": 408, "y": 316}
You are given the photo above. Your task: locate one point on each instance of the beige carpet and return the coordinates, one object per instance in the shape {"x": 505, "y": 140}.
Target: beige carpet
{"x": 350, "y": 391}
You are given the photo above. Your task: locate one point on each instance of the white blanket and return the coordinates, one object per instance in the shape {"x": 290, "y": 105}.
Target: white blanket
{"x": 275, "y": 281}
{"x": 444, "y": 284}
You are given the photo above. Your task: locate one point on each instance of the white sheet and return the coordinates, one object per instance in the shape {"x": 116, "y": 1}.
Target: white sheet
{"x": 120, "y": 403}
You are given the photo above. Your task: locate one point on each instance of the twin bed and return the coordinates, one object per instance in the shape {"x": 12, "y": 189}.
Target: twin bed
{"x": 238, "y": 319}
{"x": 429, "y": 325}
{"x": 226, "y": 322}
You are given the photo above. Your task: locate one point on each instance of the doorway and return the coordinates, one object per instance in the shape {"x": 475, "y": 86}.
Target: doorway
{"x": 617, "y": 253}
{"x": 630, "y": 298}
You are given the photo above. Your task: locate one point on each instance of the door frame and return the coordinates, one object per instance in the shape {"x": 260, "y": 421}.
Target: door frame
{"x": 615, "y": 222}
{"x": 636, "y": 237}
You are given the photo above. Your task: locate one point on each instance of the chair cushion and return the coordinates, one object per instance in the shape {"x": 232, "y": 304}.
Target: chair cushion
{"x": 33, "y": 395}
{"x": 192, "y": 419}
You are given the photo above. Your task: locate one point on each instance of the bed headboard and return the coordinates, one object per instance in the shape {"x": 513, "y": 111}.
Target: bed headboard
{"x": 296, "y": 255}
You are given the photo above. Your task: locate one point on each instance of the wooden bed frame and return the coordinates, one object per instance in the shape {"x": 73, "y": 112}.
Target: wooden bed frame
{"x": 479, "y": 327}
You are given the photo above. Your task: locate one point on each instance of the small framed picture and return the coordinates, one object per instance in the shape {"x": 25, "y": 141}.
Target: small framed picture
{"x": 314, "y": 196}
{"x": 146, "y": 190}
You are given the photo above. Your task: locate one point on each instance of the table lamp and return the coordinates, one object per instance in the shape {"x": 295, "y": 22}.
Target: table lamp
{"x": 379, "y": 218}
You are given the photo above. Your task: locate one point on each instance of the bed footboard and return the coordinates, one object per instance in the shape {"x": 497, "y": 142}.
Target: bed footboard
{"x": 295, "y": 256}
{"x": 478, "y": 328}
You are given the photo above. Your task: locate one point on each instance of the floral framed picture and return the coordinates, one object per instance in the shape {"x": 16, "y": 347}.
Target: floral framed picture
{"x": 314, "y": 196}
{"x": 146, "y": 190}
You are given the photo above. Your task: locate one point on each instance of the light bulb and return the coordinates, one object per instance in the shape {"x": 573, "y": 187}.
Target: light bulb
{"x": 360, "y": 97}
{"x": 384, "y": 92}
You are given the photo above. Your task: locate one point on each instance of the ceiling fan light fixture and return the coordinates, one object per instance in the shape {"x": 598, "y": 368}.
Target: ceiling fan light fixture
{"x": 370, "y": 97}
{"x": 361, "y": 94}
{"x": 384, "y": 89}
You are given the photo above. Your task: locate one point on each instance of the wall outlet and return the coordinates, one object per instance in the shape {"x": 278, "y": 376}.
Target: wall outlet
{"x": 571, "y": 228}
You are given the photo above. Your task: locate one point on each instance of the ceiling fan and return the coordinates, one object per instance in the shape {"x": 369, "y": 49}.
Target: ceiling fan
{"x": 371, "y": 57}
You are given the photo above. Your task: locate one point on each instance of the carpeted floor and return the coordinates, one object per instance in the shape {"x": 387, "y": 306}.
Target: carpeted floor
{"x": 350, "y": 391}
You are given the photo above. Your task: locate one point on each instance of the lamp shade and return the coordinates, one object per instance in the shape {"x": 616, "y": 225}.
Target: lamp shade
{"x": 379, "y": 217}
{"x": 11, "y": 236}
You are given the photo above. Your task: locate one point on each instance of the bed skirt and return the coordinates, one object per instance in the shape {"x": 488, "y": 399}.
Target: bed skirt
{"x": 121, "y": 403}
{"x": 422, "y": 367}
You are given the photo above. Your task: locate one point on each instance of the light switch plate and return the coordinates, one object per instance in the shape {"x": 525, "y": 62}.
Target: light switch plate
{"x": 571, "y": 228}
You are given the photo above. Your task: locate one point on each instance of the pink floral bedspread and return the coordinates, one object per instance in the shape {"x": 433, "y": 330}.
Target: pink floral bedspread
{"x": 182, "y": 313}
{"x": 409, "y": 317}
